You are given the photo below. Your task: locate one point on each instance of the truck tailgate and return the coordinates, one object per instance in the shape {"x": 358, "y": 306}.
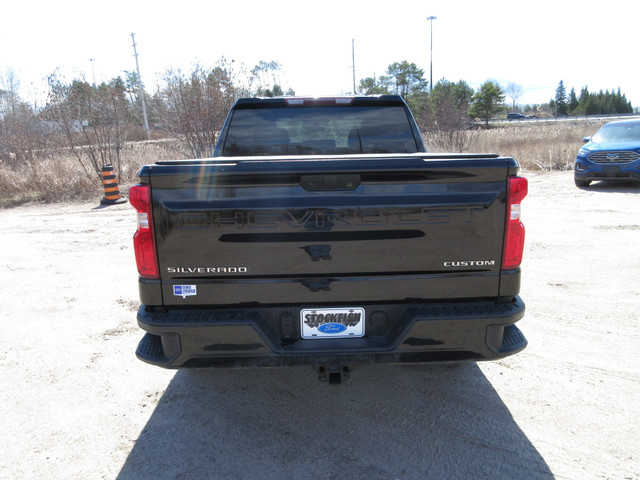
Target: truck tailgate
{"x": 330, "y": 229}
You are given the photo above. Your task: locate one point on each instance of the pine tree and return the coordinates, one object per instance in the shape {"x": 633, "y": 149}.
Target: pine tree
{"x": 487, "y": 101}
{"x": 573, "y": 102}
{"x": 561, "y": 99}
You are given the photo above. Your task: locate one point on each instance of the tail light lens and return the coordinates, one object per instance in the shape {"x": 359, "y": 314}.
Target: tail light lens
{"x": 514, "y": 237}
{"x": 143, "y": 240}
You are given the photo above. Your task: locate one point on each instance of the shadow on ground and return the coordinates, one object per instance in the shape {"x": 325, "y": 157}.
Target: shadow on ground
{"x": 386, "y": 422}
{"x": 613, "y": 186}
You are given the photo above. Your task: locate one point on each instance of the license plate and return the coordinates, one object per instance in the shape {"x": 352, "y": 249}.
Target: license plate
{"x": 317, "y": 323}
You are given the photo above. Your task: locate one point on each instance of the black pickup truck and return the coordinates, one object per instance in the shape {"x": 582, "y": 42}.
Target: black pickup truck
{"x": 323, "y": 233}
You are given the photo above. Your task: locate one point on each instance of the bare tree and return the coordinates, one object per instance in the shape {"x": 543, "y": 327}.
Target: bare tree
{"x": 197, "y": 104}
{"x": 266, "y": 74}
{"x": 21, "y": 137}
{"x": 9, "y": 94}
{"x": 514, "y": 92}
{"x": 444, "y": 117}
{"x": 91, "y": 119}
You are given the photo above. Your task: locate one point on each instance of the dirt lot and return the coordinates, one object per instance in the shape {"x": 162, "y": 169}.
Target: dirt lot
{"x": 75, "y": 403}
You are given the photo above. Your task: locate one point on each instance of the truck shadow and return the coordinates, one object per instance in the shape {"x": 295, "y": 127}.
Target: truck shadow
{"x": 386, "y": 422}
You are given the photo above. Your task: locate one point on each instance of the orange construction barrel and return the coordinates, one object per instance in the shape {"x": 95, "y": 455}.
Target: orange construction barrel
{"x": 111, "y": 189}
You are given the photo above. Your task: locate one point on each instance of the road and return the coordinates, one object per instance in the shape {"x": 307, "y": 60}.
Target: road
{"x": 75, "y": 403}
{"x": 567, "y": 118}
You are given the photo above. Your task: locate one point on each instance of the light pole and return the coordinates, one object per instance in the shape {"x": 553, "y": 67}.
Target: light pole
{"x": 93, "y": 72}
{"x": 431, "y": 19}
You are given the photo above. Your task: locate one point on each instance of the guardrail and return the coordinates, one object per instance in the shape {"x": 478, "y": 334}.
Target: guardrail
{"x": 567, "y": 118}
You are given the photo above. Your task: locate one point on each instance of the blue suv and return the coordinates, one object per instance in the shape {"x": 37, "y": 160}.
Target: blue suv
{"x": 613, "y": 153}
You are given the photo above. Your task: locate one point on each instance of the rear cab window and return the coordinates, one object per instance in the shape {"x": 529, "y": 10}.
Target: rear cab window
{"x": 318, "y": 130}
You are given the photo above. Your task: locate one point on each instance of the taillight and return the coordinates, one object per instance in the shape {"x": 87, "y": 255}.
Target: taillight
{"x": 517, "y": 189}
{"x": 143, "y": 240}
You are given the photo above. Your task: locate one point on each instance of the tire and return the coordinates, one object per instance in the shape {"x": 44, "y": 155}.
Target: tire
{"x": 582, "y": 183}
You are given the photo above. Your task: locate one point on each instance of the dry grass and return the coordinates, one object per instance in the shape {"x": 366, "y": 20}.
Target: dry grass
{"x": 60, "y": 177}
{"x": 536, "y": 146}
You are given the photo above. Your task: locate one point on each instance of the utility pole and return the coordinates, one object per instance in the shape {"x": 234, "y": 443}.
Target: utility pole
{"x": 353, "y": 62}
{"x": 431, "y": 19}
{"x": 140, "y": 90}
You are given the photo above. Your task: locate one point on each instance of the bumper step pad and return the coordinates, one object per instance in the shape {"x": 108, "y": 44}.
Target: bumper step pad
{"x": 150, "y": 349}
{"x": 513, "y": 340}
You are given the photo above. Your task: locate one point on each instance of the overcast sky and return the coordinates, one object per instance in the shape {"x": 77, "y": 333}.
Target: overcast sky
{"x": 532, "y": 43}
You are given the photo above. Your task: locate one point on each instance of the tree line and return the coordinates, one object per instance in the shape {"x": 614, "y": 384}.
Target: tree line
{"x": 587, "y": 103}
{"x": 94, "y": 121}
{"x": 446, "y": 103}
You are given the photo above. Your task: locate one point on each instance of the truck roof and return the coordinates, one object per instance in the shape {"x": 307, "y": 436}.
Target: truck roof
{"x": 380, "y": 100}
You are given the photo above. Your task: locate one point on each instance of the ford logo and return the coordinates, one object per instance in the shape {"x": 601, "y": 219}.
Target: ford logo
{"x": 332, "y": 328}
{"x": 612, "y": 156}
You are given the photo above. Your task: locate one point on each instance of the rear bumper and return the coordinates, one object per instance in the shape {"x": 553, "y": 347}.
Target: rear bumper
{"x": 270, "y": 336}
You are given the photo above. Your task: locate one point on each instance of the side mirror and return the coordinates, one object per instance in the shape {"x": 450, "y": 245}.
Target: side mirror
{"x": 586, "y": 139}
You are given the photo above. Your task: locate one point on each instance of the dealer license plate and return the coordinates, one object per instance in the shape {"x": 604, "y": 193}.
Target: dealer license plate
{"x": 318, "y": 323}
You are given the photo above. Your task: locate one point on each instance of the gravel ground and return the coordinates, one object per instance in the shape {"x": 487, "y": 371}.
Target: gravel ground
{"x": 75, "y": 403}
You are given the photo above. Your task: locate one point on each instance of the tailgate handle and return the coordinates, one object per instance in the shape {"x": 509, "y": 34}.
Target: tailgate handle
{"x": 330, "y": 182}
